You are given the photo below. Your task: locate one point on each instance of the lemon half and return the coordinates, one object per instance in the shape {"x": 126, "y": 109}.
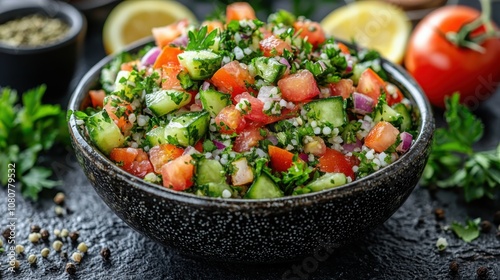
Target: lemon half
{"x": 371, "y": 24}
{"x": 132, "y": 20}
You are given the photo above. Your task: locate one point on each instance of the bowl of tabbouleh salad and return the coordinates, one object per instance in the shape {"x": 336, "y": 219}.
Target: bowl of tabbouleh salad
{"x": 250, "y": 141}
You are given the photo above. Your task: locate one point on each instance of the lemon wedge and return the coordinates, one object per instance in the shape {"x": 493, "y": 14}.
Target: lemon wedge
{"x": 132, "y": 20}
{"x": 371, "y": 24}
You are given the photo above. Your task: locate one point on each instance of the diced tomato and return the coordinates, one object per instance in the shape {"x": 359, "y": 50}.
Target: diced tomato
{"x": 280, "y": 159}
{"x": 164, "y": 35}
{"x": 114, "y": 105}
{"x": 371, "y": 84}
{"x": 310, "y": 30}
{"x": 239, "y": 11}
{"x": 232, "y": 78}
{"x": 199, "y": 146}
{"x": 299, "y": 86}
{"x": 161, "y": 154}
{"x": 343, "y": 48}
{"x": 394, "y": 95}
{"x": 129, "y": 66}
{"x": 273, "y": 46}
{"x": 134, "y": 161}
{"x": 168, "y": 55}
{"x": 247, "y": 139}
{"x": 381, "y": 136}
{"x": 255, "y": 113}
{"x": 169, "y": 74}
{"x": 230, "y": 120}
{"x": 342, "y": 88}
{"x": 97, "y": 97}
{"x": 178, "y": 173}
{"x": 334, "y": 161}
{"x": 212, "y": 25}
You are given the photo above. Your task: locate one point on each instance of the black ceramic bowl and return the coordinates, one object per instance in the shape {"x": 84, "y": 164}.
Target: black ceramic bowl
{"x": 267, "y": 230}
{"x": 53, "y": 64}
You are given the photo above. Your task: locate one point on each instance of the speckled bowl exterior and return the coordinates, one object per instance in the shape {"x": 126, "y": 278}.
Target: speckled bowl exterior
{"x": 256, "y": 231}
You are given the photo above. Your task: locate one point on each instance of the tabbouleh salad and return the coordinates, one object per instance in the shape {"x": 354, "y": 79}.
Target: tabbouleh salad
{"x": 240, "y": 108}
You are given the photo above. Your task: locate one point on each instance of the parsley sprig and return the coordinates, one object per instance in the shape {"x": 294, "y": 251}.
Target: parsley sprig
{"x": 27, "y": 130}
{"x": 453, "y": 161}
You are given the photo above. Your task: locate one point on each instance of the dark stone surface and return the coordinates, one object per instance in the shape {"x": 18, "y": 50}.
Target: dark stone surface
{"x": 402, "y": 248}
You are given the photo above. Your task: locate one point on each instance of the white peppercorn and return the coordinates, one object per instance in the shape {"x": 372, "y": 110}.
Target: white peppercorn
{"x": 15, "y": 264}
{"x": 82, "y": 247}
{"x": 32, "y": 259}
{"x": 34, "y": 237}
{"x": 57, "y": 233}
{"x": 64, "y": 233}
{"x": 57, "y": 245}
{"x": 45, "y": 252}
{"x": 77, "y": 257}
{"x": 19, "y": 249}
{"x": 59, "y": 210}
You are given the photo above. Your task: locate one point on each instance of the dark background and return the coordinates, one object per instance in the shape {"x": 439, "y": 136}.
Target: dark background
{"x": 401, "y": 248}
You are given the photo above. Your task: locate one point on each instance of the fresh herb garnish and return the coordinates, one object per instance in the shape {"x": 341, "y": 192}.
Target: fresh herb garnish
{"x": 199, "y": 40}
{"x": 467, "y": 232}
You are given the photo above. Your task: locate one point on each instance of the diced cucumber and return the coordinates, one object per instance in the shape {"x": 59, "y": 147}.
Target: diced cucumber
{"x": 156, "y": 136}
{"x": 103, "y": 132}
{"x": 268, "y": 68}
{"x": 405, "y": 113}
{"x": 163, "y": 102}
{"x": 200, "y": 64}
{"x": 214, "y": 101}
{"x": 209, "y": 171}
{"x": 386, "y": 113}
{"x": 214, "y": 190}
{"x": 187, "y": 129}
{"x": 264, "y": 187}
{"x": 327, "y": 110}
{"x": 327, "y": 181}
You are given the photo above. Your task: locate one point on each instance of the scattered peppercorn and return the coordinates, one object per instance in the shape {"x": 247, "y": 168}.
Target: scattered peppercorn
{"x": 6, "y": 233}
{"x": 15, "y": 264}
{"x": 496, "y": 217}
{"x": 19, "y": 249}
{"x": 485, "y": 226}
{"x": 482, "y": 272}
{"x": 82, "y": 247}
{"x": 439, "y": 213}
{"x": 34, "y": 237}
{"x": 74, "y": 236}
{"x": 59, "y": 210}
{"x": 32, "y": 259}
{"x": 35, "y": 228}
{"x": 57, "y": 233}
{"x": 45, "y": 234}
{"x": 59, "y": 198}
{"x": 64, "y": 255}
{"x": 57, "y": 245}
{"x": 70, "y": 268}
{"x": 454, "y": 267}
{"x": 64, "y": 233}
{"x": 45, "y": 252}
{"x": 105, "y": 253}
{"x": 77, "y": 257}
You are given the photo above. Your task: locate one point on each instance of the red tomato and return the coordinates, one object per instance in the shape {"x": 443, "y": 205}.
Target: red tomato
{"x": 160, "y": 155}
{"x": 134, "y": 161}
{"x": 310, "y": 30}
{"x": 371, "y": 84}
{"x": 169, "y": 74}
{"x": 168, "y": 55}
{"x": 381, "y": 136}
{"x": 230, "y": 120}
{"x": 334, "y": 161}
{"x": 129, "y": 66}
{"x": 299, "y": 86}
{"x": 255, "y": 114}
{"x": 394, "y": 95}
{"x": 212, "y": 25}
{"x": 232, "y": 78}
{"x": 199, "y": 146}
{"x": 178, "y": 173}
{"x": 113, "y": 103}
{"x": 164, "y": 35}
{"x": 281, "y": 159}
{"x": 441, "y": 68}
{"x": 343, "y": 48}
{"x": 97, "y": 97}
{"x": 342, "y": 88}
{"x": 272, "y": 46}
{"x": 239, "y": 11}
{"x": 247, "y": 139}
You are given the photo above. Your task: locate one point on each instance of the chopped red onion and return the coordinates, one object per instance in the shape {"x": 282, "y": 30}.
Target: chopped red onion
{"x": 285, "y": 61}
{"x": 272, "y": 139}
{"x": 322, "y": 64}
{"x": 363, "y": 104}
{"x": 180, "y": 41}
{"x": 406, "y": 141}
{"x": 150, "y": 57}
{"x": 350, "y": 147}
{"x": 268, "y": 93}
{"x": 190, "y": 150}
{"x": 348, "y": 69}
{"x": 219, "y": 145}
{"x": 205, "y": 85}
{"x": 304, "y": 157}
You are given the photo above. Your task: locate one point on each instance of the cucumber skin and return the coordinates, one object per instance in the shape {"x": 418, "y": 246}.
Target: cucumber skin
{"x": 321, "y": 110}
{"x": 327, "y": 181}
{"x": 214, "y": 101}
{"x": 187, "y": 129}
{"x": 166, "y": 101}
{"x": 104, "y": 133}
{"x": 199, "y": 65}
{"x": 264, "y": 187}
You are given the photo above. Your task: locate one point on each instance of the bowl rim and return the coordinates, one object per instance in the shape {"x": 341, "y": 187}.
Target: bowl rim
{"x": 398, "y": 74}
{"x": 54, "y": 9}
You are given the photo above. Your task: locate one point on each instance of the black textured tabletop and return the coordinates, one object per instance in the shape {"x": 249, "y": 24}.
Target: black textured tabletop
{"x": 404, "y": 247}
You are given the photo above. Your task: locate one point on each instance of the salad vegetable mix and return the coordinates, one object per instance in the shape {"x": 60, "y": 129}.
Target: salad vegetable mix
{"x": 247, "y": 109}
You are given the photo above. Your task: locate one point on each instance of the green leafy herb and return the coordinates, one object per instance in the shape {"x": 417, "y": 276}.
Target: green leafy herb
{"x": 26, "y": 130}
{"x": 208, "y": 146}
{"x": 199, "y": 40}
{"x": 296, "y": 176}
{"x": 467, "y": 232}
{"x": 454, "y": 163}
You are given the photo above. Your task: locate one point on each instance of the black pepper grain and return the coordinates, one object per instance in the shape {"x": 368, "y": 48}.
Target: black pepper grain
{"x": 485, "y": 226}
{"x": 35, "y": 229}
{"x": 496, "y": 217}
{"x": 64, "y": 255}
{"x": 6, "y": 233}
{"x": 74, "y": 236}
{"x": 482, "y": 272}
{"x": 439, "y": 213}
{"x": 454, "y": 267}
{"x": 70, "y": 268}
{"x": 45, "y": 234}
{"x": 105, "y": 253}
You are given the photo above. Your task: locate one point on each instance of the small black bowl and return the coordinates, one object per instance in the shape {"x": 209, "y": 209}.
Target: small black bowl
{"x": 256, "y": 231}
{"x": 53, "y": 64}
